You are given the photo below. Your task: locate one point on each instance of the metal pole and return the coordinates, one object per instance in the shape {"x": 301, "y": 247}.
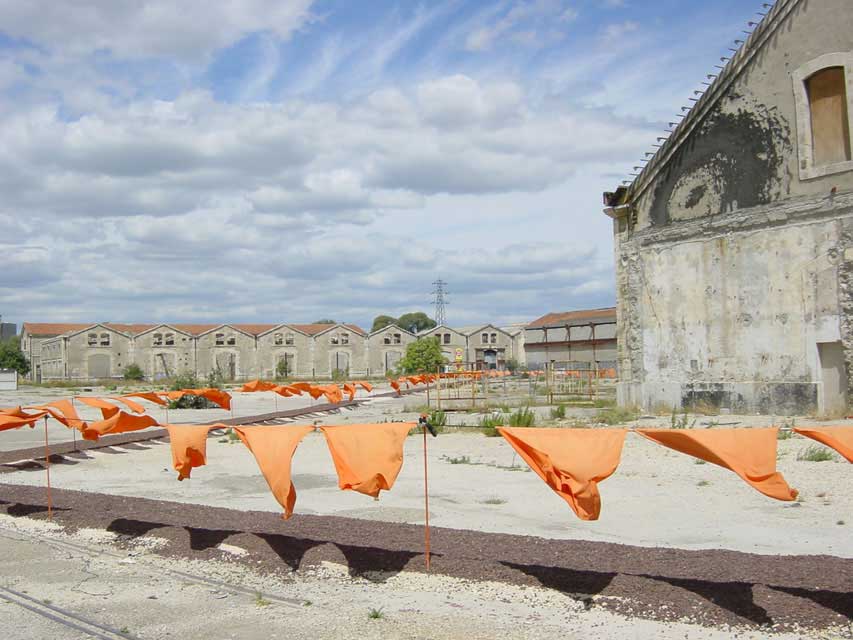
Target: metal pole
{"x": 47, "y": 472}
{"x": 426, "y": 502}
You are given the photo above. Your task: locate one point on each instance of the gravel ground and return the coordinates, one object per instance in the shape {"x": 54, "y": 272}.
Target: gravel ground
{"x": 708, "y": 587}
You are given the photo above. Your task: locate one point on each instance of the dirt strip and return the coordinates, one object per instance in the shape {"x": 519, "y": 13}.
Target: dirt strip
{"x": 710, "y": 587}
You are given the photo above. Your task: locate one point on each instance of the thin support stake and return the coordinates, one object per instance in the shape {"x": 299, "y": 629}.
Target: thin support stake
{"x": 47, "y": 472}
{"x": 426, "y": 502}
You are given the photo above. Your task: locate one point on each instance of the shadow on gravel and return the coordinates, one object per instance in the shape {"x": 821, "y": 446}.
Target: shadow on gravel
{"x": 201, "y": 539}
{"x": 840, "y": 602}
{"x": 374, "y": 564}
{"x": 580, "y": 585}
{"x": 290, "y": 550}
{"x": 133, "y": 528}
{"x": 736, "y": 597}
{"x": 19, "y": 510}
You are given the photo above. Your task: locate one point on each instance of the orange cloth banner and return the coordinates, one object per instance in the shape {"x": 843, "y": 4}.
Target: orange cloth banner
{"x": 108, "y": 409}
{"x": 750, "y": 453}
{"x": 258, "y": 385}
{"x": 119, "y": 423}
{"x": 838, "y": 438}
{"x": 570, "y": 461}
{"x": 16, "y": 417}
{"x": 273, "y": 448}
{"x": 145, "y": 395}
{"x": 189, "y": 446}
{"x": 64, "y": 412}
{"x": 367, "y": 457}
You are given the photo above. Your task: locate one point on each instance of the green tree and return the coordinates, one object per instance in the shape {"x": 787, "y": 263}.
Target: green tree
{"x": 513, "y": 365}
{"x": 133, "y": 372}
{"x": 325, "y": 321}
{"x": 282, "y": 369}
{"x": 11, "y": 356}
{"x": 423, "y": 356}
{"x": 415, "y": 321}
{"x": 380, "y": 322}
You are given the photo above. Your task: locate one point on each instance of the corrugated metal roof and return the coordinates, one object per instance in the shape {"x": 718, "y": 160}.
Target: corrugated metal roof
{"x": 584, "y": 316}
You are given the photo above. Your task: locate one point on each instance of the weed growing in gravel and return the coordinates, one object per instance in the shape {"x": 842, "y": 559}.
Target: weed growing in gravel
{"x": 438, "y": 418}
{"x": 459, "y": 460}
{"x": 815, "y": 453}
{"x": 615, "y": 415}
{"x": 307, "y": 603}
{"x": 681, "y": 422}
{"x": 558, "y": 412}
{"x": 523, "y": 417}
{"x": 232, "y": 436}
{"x": 260, "y": 601}
{"x": 702, "y": 483}
{"x": 840, "y": 522}
{"x": 784, "y": 434}
{"x": 493, "y": 501}
{"x": 698, "y": 461}
{"x": 490, "y": 423}
{"x": 376, "y": 614}
{"x": 124, "y": 630}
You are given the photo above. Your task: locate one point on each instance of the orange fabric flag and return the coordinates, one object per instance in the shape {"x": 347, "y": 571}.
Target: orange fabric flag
{"x": 395, "y": 385}
{"x": 750, "y": 453}
{"x": 349, "y": 389}
{"x": 108, "y": 409}
{"x": 838, "y": 438}
{"x": 570, "y": 461}
{"x": 316, "y": 392}
{"x": 146, "y": 395}
{"x": 119, "y": 423}
{"x": 258, "y": 385}
{"x": 273, "y": 448}
{"x": 189, "y": 446}
{"x": 64, "y": 412}
{"x": 130, "y": 404}
{"x": 14, "y": 418}
{"x": 302, "y": 386}
{"x": 364, "y": 385}
{"x": 333, "y": 393}
{"x": 284, "y": 390}
{"x": 367, "y": 457}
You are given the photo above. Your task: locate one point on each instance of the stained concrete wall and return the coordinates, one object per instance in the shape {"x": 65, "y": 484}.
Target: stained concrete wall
{"x": 732, "y": 265}
{"x": 326, "y": 354}
{"x": 164, "y": 360}
{"x": 385, "y": 346}
{"x": 211, "y": 356}
{"x": 84, "y": 361}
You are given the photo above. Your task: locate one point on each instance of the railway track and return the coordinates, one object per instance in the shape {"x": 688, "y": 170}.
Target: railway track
{"x": 82, "y": 624}
{"x": 64, "y": 617}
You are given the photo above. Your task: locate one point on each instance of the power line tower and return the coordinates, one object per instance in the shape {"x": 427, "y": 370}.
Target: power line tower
{"x": 440, "y": 302}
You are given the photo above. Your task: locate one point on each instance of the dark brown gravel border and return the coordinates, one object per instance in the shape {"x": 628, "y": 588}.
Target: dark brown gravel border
{"x": 710, "y": 587}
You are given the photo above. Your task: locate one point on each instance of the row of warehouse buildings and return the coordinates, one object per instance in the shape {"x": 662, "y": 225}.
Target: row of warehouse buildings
{"x": 239, "y": 351}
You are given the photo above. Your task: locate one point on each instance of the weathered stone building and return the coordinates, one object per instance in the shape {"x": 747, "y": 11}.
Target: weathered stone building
{"x": 574, "y": 339}
{"x": 734, "y": 244}
{"x": 480, "y": 347}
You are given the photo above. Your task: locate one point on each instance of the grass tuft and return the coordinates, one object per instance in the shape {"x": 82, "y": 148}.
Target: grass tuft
{"x": 376, "y": 614}
{"x": 815, "y": 453}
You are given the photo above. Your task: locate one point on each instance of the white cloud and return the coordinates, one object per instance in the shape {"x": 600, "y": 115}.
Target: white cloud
{"x": 189, "y": 30}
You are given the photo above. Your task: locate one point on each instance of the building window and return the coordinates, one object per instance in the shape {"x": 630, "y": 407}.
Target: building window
{"x": 157, "y": 340}
{"x": 827, "y": 91}
{"x": 105, "y": 339}
{"x": 93, "y": 339}
{"x": 344, "y": 338}
{"x": 279, "y": 339}
{"x": 170, "y": 339}
{"x": 232, "y": 339}
{"x": 446, "y": 338}
{"x": 398, "y": 339}
{"x": 484, "y": 338}
{"x": 334, "y": 339}
{"x": 493, "y": 338}
{"x": 288, "y": 339}
{"x": 220, "y": 339}
{"x": 822, "y": 92}
{"x": 386, "y": 339}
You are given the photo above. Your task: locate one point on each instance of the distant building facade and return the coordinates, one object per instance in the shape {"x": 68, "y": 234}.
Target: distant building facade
{"x": 59, "y": 351}
{"x": 572, "y": 339}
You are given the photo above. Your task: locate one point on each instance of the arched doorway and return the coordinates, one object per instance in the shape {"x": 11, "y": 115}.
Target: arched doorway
{"x": 392, "y": 359}
{"x": 226, "y": 365}
{"x": 340, "y": 363}
{"x": 99, "y": 366}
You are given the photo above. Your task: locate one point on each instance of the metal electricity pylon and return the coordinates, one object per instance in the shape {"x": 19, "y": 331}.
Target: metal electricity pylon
{"x": 440, "y": 302}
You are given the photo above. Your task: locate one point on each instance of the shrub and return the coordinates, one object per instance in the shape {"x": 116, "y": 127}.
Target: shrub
{"x": 438, "y": 418}
{"x": 558, "y": 412}
{"x": 340, "y": 375}
{"x": 188, "y": 380}
{"x": 282, "y": 369}
{"x": 133, "y": 372}
{"x": 815, "y": 453}
{"x": 512, "y": 365}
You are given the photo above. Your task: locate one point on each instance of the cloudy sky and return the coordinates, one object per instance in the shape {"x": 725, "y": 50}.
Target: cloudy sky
{"x": 287, "y": 160}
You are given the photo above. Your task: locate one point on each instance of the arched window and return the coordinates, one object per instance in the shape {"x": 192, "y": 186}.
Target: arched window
{"x": 93, "y": 340}
{"x": 398, "y": 339}
{"x": 344, "y": 338}
{"x": 170, "y": 339}
{"x": 484, "y": 338}
{"x": 157, "y": 339}
{"x": 105, "y": 339}
{"x": 822, "y": 95}
{"x": 493, "y": 338}
{"x": 278, "y": 339}
{"x": 220, "y": 339}
{"x": 232, "y": 339}
{"x": 446, "y": 338}
{"x": 288, "y": 339}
